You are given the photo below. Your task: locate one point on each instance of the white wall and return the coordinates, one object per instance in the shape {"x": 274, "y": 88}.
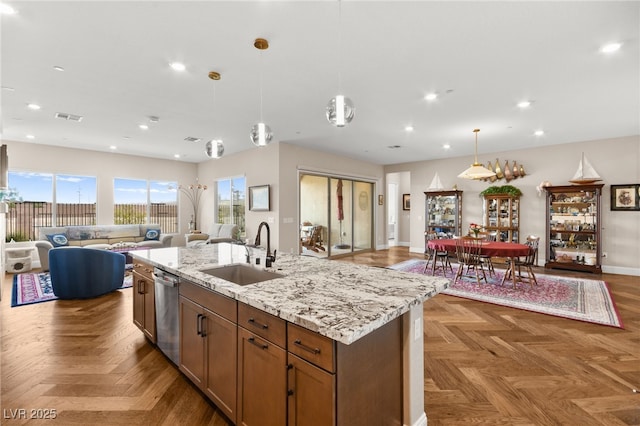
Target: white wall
{"x": 616, "y": 160}
{"x": 259, "y": 166}
{"x": 293, "y": 158}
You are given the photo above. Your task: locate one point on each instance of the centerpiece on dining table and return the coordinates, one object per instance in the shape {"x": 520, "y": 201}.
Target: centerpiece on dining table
{"x": 475, "y": 229}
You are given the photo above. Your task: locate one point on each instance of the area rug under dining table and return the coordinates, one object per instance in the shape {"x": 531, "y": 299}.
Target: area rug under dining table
{"x": 34, "y": 287}
{"x": 573, "y": 298}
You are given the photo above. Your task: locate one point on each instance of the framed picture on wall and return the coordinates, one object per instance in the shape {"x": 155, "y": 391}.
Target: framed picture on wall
{"x": 625, "y": 197}
{"x": 259, "y": 198}
{"x": 406, "y": 201}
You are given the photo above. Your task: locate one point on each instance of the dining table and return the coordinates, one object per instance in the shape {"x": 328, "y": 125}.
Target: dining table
{"x": 489, "y": 248}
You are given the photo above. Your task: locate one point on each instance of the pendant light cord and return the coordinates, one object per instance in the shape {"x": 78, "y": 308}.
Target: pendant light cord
{"x": 339, "y": 47}
{"x": 261, "y": 120}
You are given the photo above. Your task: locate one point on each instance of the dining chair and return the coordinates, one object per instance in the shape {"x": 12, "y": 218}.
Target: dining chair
{"x": 434, "y": 255}
{"x": 468, "y": 252}
{"x": 527, "y": 262}
{"x": 485, "y": 258}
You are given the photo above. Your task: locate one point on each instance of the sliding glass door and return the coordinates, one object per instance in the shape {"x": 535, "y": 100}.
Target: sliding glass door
{"x": 336, "y": 215}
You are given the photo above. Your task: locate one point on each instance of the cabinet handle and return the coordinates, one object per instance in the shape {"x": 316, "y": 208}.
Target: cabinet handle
{"x": 252, "y": 321}
{"x": 290, "y": 392}
{"x": 261, "y": 346}
{"x": 198, "y": 325}
{"x": 299, "y": 344}
{"x": 203, "y": 331}
{"x": 141, "y": 286}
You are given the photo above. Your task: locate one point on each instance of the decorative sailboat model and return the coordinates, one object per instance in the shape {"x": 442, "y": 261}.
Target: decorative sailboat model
{"x": 585, "y": 174}
{"x": 436, "y": 185}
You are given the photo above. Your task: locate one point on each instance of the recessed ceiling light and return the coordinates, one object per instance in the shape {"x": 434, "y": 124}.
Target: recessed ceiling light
{"x": 5, "y": 9}
{"x": 143, "y": 126}
{"x": 446, "y": 146}
{"x": 34, "y": 107}
{"x": 126, "y": 137}
{"x": 176, "y": 155}
{"x": 394, "y": 147}
{"x": 539, "y": 132}
{"x": 178, "y": 66}
{"x": 431, "y": 96}
{"x": 524, "y": 104}
{"x": 408, "y": 128}
{"x": 58, "y": 68}
{"x": 113, "y": 147}
{"x": 611, "y": 47}
{"x": 30, "y": 137}
{"x": 9, "y": 89}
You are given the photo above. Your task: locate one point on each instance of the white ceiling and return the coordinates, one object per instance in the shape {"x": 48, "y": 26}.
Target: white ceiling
{"x": 480, "y": 57}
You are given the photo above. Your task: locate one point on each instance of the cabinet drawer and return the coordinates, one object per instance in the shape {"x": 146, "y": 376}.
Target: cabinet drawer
{"x": 311, "y": 346}
{"x": 143, "y": 269}
{"x": 263, "y": 324}
{"x": 224, "y": 306}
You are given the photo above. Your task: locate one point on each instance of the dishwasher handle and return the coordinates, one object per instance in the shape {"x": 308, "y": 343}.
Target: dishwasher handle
{"x": 165, "y": 279}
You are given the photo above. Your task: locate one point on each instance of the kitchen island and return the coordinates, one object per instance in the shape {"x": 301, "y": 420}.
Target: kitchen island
{"x": 353, "y": 331}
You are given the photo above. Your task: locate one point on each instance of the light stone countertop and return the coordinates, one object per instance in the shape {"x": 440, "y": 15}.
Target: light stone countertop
{"x": 340, "y": 300}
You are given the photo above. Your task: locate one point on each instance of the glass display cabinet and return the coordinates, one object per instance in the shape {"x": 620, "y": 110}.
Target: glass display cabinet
{"x": 573, "y": 227}
{"x": 444, "y": 213}
{"x": 502, "y": 215}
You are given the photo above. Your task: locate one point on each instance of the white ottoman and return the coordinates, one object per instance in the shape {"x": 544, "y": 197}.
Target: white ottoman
{"x": 18, "y": 264}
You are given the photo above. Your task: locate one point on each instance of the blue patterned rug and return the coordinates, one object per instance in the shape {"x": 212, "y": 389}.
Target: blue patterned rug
{"x": 32, "y": 288}
{"x": 574, "y": 298}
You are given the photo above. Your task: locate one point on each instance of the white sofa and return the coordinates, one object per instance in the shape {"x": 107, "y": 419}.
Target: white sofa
{"x": 99, "y": 237}
{"x": 218, "y": 233}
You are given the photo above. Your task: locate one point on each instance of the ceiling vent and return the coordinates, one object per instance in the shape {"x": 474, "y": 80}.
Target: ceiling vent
{"x": 192, "y": 139}
{"x": 69, "y": 117}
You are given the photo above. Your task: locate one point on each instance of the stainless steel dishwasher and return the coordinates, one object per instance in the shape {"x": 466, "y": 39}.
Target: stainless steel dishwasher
{"x": 167, "y": 331}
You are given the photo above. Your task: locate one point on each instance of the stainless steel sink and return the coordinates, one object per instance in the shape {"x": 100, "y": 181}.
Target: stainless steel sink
{"x": 241, "y": 274}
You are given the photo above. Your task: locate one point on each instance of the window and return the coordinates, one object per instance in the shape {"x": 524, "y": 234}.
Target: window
{"x": 231, "y": 202}
{"x": 138, "y": 201}
{"x": 75, "y": 200}
{"x": 45, "y": 199}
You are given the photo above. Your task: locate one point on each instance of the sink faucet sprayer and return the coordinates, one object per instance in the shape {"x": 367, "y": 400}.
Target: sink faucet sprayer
{"x": 270, "y": 258}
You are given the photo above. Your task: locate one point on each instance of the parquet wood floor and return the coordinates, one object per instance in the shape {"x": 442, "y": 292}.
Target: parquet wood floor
{"x": 484, "y": 364}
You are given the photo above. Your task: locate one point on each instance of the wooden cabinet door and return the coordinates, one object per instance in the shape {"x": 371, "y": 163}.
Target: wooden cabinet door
{"x": 311, "y": 394}
{"x": 138, "y": 301}
{"x": 191, "y": 341}
{"x": 262, "y": 381}
{"x": 149, "y": 309}
{"x": 221, "y": 362}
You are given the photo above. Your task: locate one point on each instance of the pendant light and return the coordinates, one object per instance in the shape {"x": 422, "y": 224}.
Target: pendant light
{"x": 215, "y": 147}
{"x": 477, "y": 170}
{"x": 261, "y": 134}
{"x": 340, "y": 109}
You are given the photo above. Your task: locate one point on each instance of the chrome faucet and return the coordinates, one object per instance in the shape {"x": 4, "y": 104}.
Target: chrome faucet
{"x": 270, "y": 258}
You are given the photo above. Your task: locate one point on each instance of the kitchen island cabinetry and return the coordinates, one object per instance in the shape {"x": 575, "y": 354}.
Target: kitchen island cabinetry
{"x": 144, "y": 309}
{"x": 319, "y": 342}
{"x": 262, "y": 374}
{"x": 208, "y": 342}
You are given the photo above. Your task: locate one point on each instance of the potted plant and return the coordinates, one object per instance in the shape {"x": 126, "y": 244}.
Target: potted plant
{"x": 504, "y": 189}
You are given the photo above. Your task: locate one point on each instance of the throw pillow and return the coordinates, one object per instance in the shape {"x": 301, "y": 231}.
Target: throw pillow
{"x": 58, "y": 240}
{"x": 152, "y": 234}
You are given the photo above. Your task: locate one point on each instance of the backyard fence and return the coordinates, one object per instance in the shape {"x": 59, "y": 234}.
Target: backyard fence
{"x": 24, "y": 218}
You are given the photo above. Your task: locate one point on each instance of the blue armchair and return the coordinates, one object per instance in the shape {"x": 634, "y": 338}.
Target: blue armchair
{"x": 80, "y": 273}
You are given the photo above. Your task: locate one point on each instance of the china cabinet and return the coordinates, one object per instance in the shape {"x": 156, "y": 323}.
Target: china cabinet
{"x": 573, "y": 227}
{"x": 502, "y": 216}
{"x": 444, "y": 212}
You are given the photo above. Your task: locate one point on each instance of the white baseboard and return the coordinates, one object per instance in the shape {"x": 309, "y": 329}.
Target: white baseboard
{"x": 621, "y": 270}
{"x": 422, "y": 421}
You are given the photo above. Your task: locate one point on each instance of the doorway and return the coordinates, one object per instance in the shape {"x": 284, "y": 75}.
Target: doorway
{"x": 336, "y": 215}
